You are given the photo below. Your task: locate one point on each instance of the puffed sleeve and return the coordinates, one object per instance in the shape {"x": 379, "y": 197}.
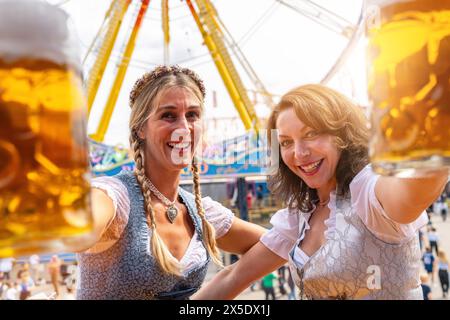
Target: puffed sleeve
{"x": 369, "y": 209}
{"x": 284, "y": 233}
{"x": 219, "y": 216}
{"x": 118, "y": 193}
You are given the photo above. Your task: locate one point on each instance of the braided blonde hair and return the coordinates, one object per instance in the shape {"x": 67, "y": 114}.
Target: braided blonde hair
{"x": 143, "y": 99}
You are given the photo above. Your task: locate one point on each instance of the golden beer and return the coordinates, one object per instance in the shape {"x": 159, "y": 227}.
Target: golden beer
{"x": 44, "y": 168}
{"x": 409, "y": 86}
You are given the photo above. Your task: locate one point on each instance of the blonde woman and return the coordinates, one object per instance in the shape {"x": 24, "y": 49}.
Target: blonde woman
{"x": 443, "y": 272}
{"x": 347, "y": 232}
{"x": 155, "y": 240}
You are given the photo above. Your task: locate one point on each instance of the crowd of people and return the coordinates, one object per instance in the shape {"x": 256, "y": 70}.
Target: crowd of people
{"x": 31, "y": 278}
{"x": 19, "y": 279}
{"x": 434, "y": 257}
{"x": 277, "y": 291}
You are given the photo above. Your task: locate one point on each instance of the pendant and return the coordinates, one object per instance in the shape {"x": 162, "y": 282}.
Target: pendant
{"x": 171, "y": 213}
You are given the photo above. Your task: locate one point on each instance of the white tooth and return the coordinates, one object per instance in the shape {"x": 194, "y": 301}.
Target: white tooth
{"x": 180, "y": 145}
{"x": 311, "y": 167}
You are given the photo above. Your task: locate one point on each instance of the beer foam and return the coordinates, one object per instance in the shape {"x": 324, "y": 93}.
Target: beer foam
{"x": 36, "y": 29}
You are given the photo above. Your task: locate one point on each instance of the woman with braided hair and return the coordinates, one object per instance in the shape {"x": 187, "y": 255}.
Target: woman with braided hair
{"x": 155, "y": 240}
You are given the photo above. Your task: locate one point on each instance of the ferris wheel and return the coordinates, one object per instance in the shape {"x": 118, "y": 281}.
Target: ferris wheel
{"x": 231, "y": 62}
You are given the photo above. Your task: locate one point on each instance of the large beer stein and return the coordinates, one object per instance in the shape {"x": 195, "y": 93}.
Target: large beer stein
{"x": 44, "y": 168}
{"x": 409, "y": 85}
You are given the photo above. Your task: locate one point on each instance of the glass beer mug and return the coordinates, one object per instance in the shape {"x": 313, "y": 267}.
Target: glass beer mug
{"x": 408, "y": 85}
{"x": 44, "y": 168}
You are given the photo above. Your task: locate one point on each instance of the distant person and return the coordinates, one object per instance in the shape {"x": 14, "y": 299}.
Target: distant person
{"x": 426, "y": 289}
{"x": 249, "y": 198}
{"x": 70, "y": 279}
{"x": 2, "y": 285}
{"x": 428, "y": 262}
{"x": 54, "y": 270}
{"x": 233, "y": 200}
{"x": 36, "y": 268}
{"x": 430, "y": 211}
{"x": 64, "y": 271}
{"x": 433, "y": 239}
{"x": 447, "y": 202}
{"x": 437, "y": 207}
{"x": 430, "y": 222}
{"x": 259, "y": 197}
{"x": 6, "y": 266}
{"x": 26, "y": 284}
{"x": 11, "y": 292}
{"x": 282, "y": 280}
{"x": 444, "y": 210}
{"x": 292, "y": 293}
{"x": 267, "y": 285}
{"x": 443, "y": 272}
{"x": 25, "y": 266}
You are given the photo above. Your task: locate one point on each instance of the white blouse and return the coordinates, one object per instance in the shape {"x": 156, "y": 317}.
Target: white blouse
{"x": 285, "y": 232}
{"x": 220, "y": 218}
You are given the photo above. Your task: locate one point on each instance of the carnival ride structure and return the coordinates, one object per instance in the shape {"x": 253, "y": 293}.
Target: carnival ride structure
{"x": 242, "y": 156}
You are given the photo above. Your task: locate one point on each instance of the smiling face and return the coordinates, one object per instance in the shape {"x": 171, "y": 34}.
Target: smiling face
{"x": 311, "y": 155}
{"x": 173, "y": 129}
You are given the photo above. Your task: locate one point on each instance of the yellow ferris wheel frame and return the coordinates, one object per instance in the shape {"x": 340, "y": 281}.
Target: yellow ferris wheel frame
{"x": 209, "y": 25}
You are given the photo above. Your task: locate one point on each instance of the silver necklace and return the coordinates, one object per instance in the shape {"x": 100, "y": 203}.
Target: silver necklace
{"x": 171, "y": 211}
